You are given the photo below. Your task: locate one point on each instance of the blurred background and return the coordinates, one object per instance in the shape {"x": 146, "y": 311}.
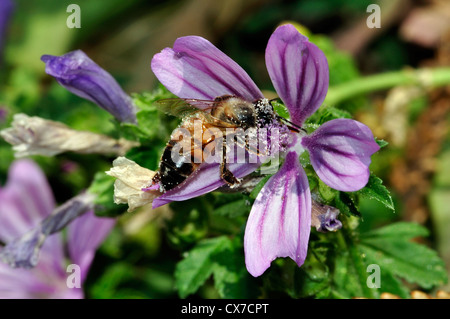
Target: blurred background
{"x": 122, "y": 37}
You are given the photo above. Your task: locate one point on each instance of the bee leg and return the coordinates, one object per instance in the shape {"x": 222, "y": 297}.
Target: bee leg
{"x": 225, "y": 173}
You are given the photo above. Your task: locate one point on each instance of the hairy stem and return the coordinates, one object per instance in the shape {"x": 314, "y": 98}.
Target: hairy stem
{"x": 426, "y": 78}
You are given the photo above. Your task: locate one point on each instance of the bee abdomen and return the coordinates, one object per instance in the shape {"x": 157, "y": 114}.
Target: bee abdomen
{"x": 173, "y": 173}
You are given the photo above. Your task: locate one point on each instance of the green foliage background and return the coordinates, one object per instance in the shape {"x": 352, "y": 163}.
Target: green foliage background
{"x": 195, "y": 248}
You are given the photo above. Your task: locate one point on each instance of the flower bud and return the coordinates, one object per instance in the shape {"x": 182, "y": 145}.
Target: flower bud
{"x": 37, "y": 136}
{"x": 80, "y": 75}
{"x": 324, "y": 217}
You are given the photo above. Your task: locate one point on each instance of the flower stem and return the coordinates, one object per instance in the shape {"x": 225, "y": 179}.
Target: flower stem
{"x": 426, "y": 77}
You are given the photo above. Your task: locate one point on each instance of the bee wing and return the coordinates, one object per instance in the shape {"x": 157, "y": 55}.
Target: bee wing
{"x": 184, "y": 107}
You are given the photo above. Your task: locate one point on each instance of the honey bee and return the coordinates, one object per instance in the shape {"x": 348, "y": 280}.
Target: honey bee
{"x": 226, "y": 113}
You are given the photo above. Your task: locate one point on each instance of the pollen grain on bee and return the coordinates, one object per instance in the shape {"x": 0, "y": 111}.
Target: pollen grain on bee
{"x": 200, "y": 145}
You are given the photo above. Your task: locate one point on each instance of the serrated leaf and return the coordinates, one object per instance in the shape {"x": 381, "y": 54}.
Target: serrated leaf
{"x": 390, "y": 283}
{"x": 151, "y": 122}
{"x": 377, "y": 191}
{"x": 328, "y": 113}
{"x": 415, "y": 263}
{"x": 381, "y": 143}
{"x": 396, "y": 254}
{"x": 197, "y": 266}
{"x": 397, "y": 230}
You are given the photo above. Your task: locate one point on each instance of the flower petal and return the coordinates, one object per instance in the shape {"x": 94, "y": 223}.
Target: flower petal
{"x": 196, "y": 69}
{"x": 340, "y": 153}
{"x": 298, "y": 70}
{"x": 85, "y": 235}
{"x": 80, "y": 75}
{"x": 204, "y": 180}
{"x": 24, "y": 250}
{"x": 130, "y": 181}
{"x": 280, "y": 220}
{"x": 25, "y": 200}
{"x": 21, "y": 284}
{"x": 46, "y": 280}
{"x": 6, "y": 10}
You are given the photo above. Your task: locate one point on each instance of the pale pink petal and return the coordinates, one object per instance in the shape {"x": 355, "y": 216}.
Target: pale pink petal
{"x": 196, "y": 69}
{"x": 25, "y": 200}
{"x": 85, "y": 235}
{"x": 340, "y": 152}
{"x": 279, "y": 223}
{"x": 298, "y": 70}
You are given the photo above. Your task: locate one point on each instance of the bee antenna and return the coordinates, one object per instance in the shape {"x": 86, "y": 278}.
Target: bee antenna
{"x": 294, "y": 126}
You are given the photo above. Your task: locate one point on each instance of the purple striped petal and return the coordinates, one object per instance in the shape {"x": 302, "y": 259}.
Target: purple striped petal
{"x": 280, "y": 220}
{"x": 340, "y": 153}
{"x": 80, "y": 75}
{"x": 298, "y": 70}
{"x": 206, "y": 179}
{"x": 196, "y": 69}
{"x": 85, "y": 235}
{"x": 25, "y": 200}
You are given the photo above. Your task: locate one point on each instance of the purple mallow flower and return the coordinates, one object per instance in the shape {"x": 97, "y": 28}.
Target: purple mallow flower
{"x": 80, "y": 75}
{"x": 6, "y": 9}
{"x": 194, "y": 68}
{"x": 279, "y": 223}
{"x": 25, "y": 202}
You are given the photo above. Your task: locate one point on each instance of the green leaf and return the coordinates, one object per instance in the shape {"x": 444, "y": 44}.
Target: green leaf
{"x": 190, "y": 223}
{"x": 381, "y": 143}
{"x": 326, "y": 192}
{"x": 106, "y": 285}
{"x": 258, "y": 187}
{"x": 403, "y": 230}
{"x": 235, "y": 208}
{"x": 231, "y": 278}
{"x": 345, "y": 277}
{"x": 377, "y": 191}
{"x": 390, "y": 283}
{"x": 197, "y": 266}
{"x": 327, "y": 113}
{"x": 345, "y": 204}
{"x": 152, "y": 123}
{"x": 314, "y": 276}
{"x": 280, "y": 108}
{"x": 221, "y": 257}
{"x": 103, "y": 187}
{"x": 390, "y": 247}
